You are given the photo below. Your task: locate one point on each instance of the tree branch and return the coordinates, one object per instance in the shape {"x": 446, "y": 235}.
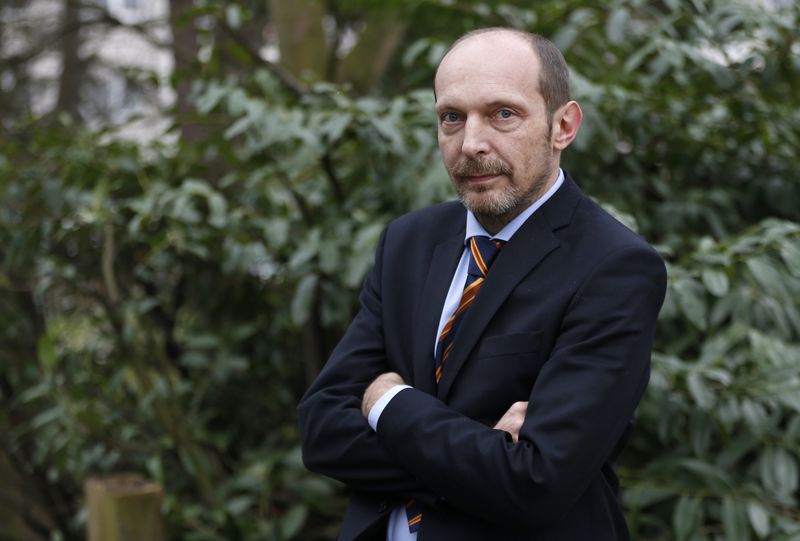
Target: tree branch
{"x": 330, "y": 173}
{"x": 282, "y": 74}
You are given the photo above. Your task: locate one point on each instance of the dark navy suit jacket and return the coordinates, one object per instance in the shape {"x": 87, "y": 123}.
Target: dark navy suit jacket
{"x": 564, "y": 320}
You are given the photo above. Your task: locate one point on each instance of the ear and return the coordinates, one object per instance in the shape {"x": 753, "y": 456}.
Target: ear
{"x": 566, "y": 123}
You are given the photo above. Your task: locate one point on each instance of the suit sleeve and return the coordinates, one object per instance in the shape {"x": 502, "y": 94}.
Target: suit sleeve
{"x": 583, "y": 398}
{"x": 336, "y": 439}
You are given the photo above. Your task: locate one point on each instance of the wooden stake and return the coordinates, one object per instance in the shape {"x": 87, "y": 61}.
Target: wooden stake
{"x": 124, "y": 507}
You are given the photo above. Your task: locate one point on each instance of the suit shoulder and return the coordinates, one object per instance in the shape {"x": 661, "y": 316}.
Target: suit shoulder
{"x": 605, "y": 232}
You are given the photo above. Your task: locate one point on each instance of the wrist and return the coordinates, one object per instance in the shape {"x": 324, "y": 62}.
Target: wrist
{"x": 376, "y": 410}
{"x": 377, "y": 388}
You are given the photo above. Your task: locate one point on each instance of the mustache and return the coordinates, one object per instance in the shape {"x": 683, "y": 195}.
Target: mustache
{"x": 470, "y": 167}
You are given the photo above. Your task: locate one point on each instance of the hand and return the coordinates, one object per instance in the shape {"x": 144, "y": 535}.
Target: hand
{"x": 380, "y": 385}
{"x": 512, "y": 420}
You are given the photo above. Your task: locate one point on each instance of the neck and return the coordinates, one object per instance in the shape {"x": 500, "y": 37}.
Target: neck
{"x": 493, "y": 223}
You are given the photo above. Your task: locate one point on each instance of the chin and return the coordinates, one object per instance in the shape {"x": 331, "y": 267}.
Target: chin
{"x": 482, "y": 203}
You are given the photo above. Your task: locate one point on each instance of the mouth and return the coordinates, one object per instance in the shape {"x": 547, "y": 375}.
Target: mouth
{"x": 479, "y": 179}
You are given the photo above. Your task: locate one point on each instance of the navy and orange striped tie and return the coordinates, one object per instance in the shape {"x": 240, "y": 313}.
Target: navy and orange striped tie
{"x": 414, "y": 516}
{"x": 482, "y": 252}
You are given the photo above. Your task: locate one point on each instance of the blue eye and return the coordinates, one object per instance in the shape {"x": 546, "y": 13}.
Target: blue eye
{"x": 450, "y": 117}
{"x": 505, "y": 113}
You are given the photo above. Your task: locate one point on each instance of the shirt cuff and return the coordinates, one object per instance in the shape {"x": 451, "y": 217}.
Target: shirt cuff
{"x": 383, "y": 401}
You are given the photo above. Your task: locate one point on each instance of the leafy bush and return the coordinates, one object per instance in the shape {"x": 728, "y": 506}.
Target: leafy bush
{"x": 163, "y": 308}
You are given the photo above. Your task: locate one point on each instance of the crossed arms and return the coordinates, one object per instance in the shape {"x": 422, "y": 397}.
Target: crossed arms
{"x": 531, "y": 466}
{"x": 510, "y": 422}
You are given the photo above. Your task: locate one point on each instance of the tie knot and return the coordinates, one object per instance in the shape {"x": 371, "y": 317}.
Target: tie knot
{"x": 483, "y": 250}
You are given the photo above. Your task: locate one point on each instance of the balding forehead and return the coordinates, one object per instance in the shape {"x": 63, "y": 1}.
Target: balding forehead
{"x": 500, "y": 43}
{"x": 489, "y": 35}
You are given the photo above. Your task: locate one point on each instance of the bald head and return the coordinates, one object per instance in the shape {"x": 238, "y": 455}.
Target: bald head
{"x": 553, "y": 75}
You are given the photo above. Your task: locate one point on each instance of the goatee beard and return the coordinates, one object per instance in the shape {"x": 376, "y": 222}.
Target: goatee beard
{"x": 496, "y": 209}
{"x": 471, "y": 167}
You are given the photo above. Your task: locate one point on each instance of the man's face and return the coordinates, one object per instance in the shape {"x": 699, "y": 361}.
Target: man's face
{"x": 494, "y": 134}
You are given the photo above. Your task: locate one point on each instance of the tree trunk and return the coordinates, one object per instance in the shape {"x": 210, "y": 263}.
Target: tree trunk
{"x": 70, "y": 80}
{"x": 301, "y": 38}
{"x": 184, "y": 55}
{"x": 22, "y": 517}
{"x": 365, "y": 65}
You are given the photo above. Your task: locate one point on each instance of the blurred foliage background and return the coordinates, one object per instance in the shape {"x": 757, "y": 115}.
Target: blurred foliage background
{"x": 166, "y": 298}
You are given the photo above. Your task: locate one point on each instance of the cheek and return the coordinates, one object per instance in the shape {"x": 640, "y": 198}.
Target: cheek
{"x": 449, "y": 149}
{"x": 528, "y": 149}
{"x": 516, "y": 153}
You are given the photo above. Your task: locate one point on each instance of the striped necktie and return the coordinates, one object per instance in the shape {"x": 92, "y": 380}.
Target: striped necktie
{"x": 482, "y": 252}
{"x": 414, "y": 515}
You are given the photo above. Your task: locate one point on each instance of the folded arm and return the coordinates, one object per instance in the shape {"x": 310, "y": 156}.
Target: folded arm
{"x": 336, "y": 439}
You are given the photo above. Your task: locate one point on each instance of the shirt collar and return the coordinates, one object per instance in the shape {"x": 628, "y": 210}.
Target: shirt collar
{"x": 474, "y": 228}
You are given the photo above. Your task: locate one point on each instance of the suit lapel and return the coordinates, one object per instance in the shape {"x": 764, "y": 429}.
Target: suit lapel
{"x": 526, "y": 249}
{"x": 440, "y": 273}
{"x": 514, "y": 261}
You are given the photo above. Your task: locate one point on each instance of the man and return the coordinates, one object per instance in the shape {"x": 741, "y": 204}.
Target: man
{"x": 486, "y": 386}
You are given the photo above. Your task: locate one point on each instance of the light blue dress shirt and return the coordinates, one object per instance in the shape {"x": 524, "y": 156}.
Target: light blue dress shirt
{"x": 398, "y": 522}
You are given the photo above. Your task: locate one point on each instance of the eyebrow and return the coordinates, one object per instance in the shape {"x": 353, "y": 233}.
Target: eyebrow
{"x": 517, "y": 104}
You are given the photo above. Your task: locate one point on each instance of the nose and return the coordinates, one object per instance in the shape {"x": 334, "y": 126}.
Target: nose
{"x": 476, "y": 140}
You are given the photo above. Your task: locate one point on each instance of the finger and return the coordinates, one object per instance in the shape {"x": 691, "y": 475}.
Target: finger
{"x": 520, "y": 406}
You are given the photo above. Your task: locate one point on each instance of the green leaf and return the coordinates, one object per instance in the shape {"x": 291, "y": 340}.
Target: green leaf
{"x": 47, "y": 352}
{"x": 565, "y": 37}
{"x": 729, "y": 23}
{"x": 640, "y": 497}
{"x": 313, "y": 488}
{"x": 686, "y": 517}
{"x": 233, "y": 16}
{"x": 218, "y": 210}
{"x": 194, "y": 359}
{"x": 767, "y": 276}
{"x": 363, "y": 256}
{"x": 700, "y": 430}
{"x": 754, "y": 415}
{"x": 716, "y": 282}
{"x": 155, "y": 468}
{"x": 303, "y": 299}
{"x": 411, "y": 53}
{"x": 639, "y": 56}
{"x": 759, "y": 519}
{"x": 238, "y": 127}
{"x": 700, "y": 392}
{"x": 390, "y": 133}
{"x": 308, "y": 250}
{"x": 210, "y": 98}
{"x": 238, "y": 505}
{"x": 734, "y": 520}
{"x": 690, "y": 302}
{"x": 737, "y": 449}
{"x": 779, "y": 473}
{"x": 334, "y": 127}
{"x": 292, "y": 522}
{"x": 790, "y": 252}
{"x": 436, "y": 53}
{"x": 329, "y": 257}
{"x": 35, "y": 392}
{"x": 48, "y": 416}
{"x": 616, "y": 25}
{"x": 709, "y": 474}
